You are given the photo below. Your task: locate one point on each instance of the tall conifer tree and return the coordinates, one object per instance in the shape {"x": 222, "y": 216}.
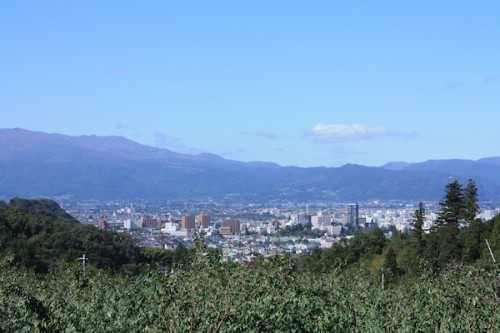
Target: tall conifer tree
{"x": 471, "y": 205}
{"x": 418, "y": 223}
{"x": 452, "y": 205}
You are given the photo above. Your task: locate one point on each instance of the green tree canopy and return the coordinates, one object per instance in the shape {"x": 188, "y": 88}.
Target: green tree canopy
{"x": 452, "y": 205}
{"x": 38, "y": 233}
{"x": 418, "y": 223}
{"x": 470, "y": 201}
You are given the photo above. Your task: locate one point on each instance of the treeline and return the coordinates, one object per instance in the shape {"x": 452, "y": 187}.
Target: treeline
{"x": 409, "y": 253}
{"x": 456, "y": 238}
{"x": 39, "y": 234}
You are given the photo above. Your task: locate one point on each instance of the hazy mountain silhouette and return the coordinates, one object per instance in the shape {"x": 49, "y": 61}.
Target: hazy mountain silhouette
{"x": 35, "y": 164}
{"x": 485, "y": 168}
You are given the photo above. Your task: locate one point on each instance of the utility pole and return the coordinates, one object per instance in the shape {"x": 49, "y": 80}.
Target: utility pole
{"x": 383, "y": 277}
{"x": 83, "y": 259}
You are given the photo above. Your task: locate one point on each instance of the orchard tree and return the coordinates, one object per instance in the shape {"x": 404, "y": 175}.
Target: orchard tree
{"x": 391, "y": 265}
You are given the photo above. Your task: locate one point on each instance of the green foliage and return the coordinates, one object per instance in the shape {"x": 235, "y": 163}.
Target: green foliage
{"x": 38, "y": 233}
{"x": 442, "y": 247}
{"x": 447, "y": 243}
{"x": 472, "y": 240}
{"x": 157, "y": 256}
{"x": 494, "y": 236}
{"x": 268, "y": 296}
{"x": 458, "y": 203}
{"x": 346, "y": 252}
{"x": 452, "y": 205}
{"x": 41, "y": 207}
{"x": 471, "y": 205}
{"x": 376, "y": 240}
{"x": 300, "y": 230}
{"x": 418, "y": 222}
{"x": 391, "y": 265}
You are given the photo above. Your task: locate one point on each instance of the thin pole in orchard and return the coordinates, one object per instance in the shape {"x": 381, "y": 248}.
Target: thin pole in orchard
{"x": 491, "y": 252}
{"x": 383, "y": 277}
{"x": 83, "y": 259}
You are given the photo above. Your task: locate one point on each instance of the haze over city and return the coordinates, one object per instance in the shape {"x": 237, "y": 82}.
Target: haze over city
{"x": 306, "y": 84}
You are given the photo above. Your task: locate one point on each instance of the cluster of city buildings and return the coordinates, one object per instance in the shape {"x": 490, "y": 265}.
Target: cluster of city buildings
{"x": 187, "y": 226}
{"x": 252, "y": 230}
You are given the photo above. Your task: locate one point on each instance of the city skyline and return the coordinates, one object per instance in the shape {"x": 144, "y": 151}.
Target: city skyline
{"x": 316, "y": 84}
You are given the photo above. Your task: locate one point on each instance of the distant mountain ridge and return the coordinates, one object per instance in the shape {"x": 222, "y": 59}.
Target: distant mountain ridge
{"x": 487, "y": 168}
{"x": 37, "y": 164}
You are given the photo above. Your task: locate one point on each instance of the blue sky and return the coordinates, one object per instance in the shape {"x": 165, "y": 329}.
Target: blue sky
{"x": 305, "y": 83}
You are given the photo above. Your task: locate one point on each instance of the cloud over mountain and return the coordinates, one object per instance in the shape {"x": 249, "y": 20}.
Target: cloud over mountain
{"x": 333, "y": 133}
{"x": 342, "y": 132}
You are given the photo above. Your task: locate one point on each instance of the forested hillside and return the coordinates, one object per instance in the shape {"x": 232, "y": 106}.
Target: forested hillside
{"x": 39, "y": 234}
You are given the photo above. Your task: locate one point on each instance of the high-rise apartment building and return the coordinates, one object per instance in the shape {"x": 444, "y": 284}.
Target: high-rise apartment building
{"x": 151, "y": 223}
{"x": 102, "y": 223}
{"x": 230, "y": 227}
{"x": 304, "y": 218}
{"x": 353, "y": 214}
{"x": 187, "y": 222}
{"x": 203, "y": 221}
{"x": 319, "y": 221}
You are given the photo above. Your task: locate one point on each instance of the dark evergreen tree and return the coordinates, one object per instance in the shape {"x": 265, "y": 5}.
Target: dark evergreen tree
{"x": 470, "y": 201}
{"x": 376, "y": 241}
{"x": 418, "y": 222}
{"x": 493, "y": 236}
{"x": 452, "y": 205}
{"x": 472, "y": 241}
{"x": 181, "y": 256}
{"x": 391, "y": 265}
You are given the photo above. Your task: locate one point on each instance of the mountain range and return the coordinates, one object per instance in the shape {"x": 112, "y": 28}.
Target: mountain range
{"x": 36, "y": 164}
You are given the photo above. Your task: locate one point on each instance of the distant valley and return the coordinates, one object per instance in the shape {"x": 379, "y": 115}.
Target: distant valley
{"x": 36, "y": 164}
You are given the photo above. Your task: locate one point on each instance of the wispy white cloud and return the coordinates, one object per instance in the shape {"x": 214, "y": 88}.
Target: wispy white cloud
{"x": 332, "y": 133}
{"x": 341, "y": 132}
